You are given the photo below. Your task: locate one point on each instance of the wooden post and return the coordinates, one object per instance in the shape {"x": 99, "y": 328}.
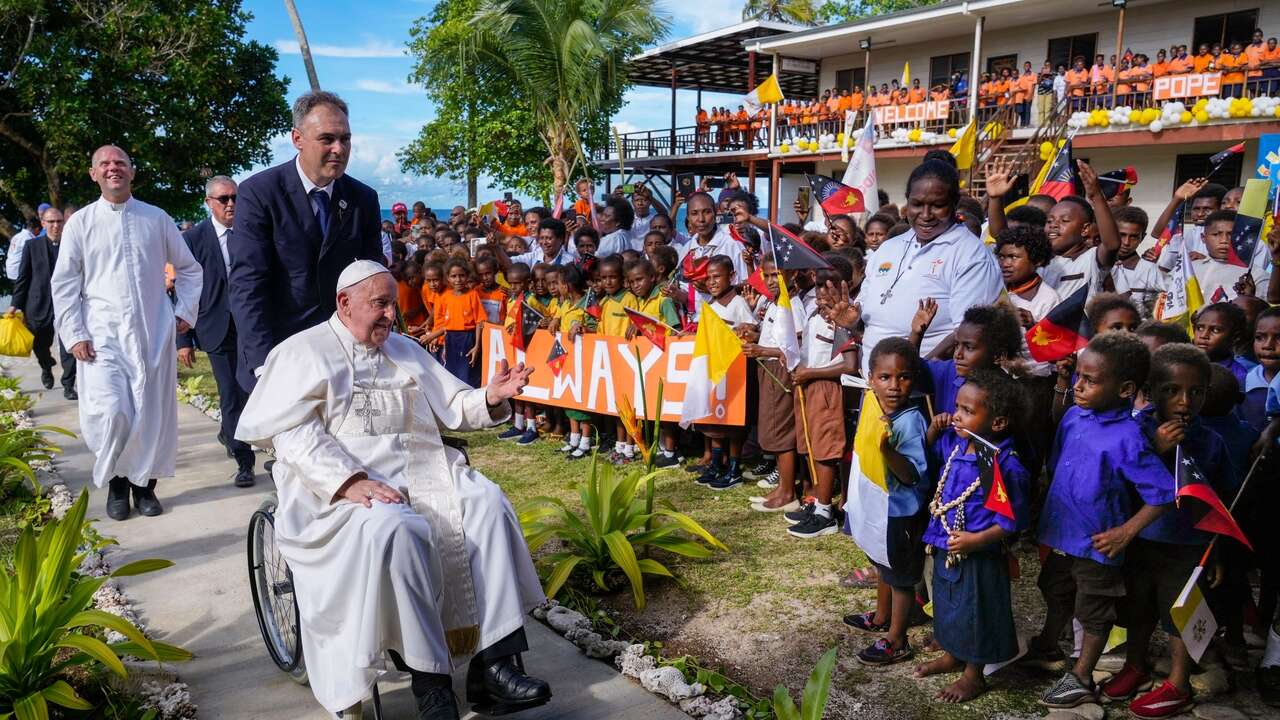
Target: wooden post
{"x": 751, "y": 70}
{"x": 751, "y": 176}
{"x": 775, "y": 173}
{"x": 773, "y": 111}
{"x": 673, "y": 109}
{"x": 1119, "y": 54}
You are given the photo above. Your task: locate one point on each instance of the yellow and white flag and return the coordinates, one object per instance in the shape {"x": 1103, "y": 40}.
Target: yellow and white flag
{"x": 1183, "y": 298}
{"x": 766, "y": 93}
{"x": 1193, "y": 618}
{"x": 906, "y": 75}
{"x": 965, "y": 146}
{"x": 715, "y": 347}
{"x": 868, "y": 503}
{"x": 790, "y": 344}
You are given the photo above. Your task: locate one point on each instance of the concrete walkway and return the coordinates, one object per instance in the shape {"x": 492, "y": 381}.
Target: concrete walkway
{"x": 203, "y": 603}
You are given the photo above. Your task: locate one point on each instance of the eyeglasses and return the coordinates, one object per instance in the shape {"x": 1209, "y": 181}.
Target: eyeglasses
{"x": 224, "y": 199}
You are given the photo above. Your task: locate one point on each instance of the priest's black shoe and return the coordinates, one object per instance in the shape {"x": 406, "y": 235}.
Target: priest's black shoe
{"x": 502, "y": 687}
{"x": 437, "y": 703}
{"x": 118, "y": 498}
{"x": 144, "y": 498}
{"x": 71, "y": 394}
{"x": 222, "y": 440}
{"x": 244, "y": 478}
{"x": 46, "y": 378}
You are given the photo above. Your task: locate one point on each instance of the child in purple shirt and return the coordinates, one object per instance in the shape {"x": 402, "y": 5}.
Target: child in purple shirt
{"x": 1217, "y": 330}
{"x": 972, "y": 610}
{"x": 987, "y": 335}
{"x": 1100, "y": 461}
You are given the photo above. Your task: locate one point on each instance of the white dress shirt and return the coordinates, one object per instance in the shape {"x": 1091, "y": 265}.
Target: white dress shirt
{"x": 13, "y": 260}
{"x": 308, "y": 186}
{"x": 222, "y": 232}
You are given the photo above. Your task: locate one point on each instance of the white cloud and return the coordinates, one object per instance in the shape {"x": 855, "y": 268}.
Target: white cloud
{"x": 704, "y": 15}
{"x": 387, "y": 87}
{"x": 372, "y": 48}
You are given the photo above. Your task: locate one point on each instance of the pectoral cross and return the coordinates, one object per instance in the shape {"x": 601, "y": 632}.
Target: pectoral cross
{"x": 368, "y": 412}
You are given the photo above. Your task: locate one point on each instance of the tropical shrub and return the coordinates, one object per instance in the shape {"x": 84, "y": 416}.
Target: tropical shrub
{"x": 814, "y": 701}
{"x": 47, "y": 621}
{"x": 19, "y": 448}
{"x": 12, "y": 398}
{"x": 617, "y": 525}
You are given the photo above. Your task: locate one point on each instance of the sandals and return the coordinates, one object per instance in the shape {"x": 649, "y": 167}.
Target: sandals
{"x": 861, "y": 578}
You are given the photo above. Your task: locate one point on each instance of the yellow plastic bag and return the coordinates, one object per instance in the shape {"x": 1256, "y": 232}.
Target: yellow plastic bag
{"x": 15, "y": 339}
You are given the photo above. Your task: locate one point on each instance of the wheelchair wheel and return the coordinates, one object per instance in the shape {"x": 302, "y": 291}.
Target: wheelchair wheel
{"x": 271, "y": 584}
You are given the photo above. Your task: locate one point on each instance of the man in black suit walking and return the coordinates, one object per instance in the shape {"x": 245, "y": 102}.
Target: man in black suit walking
{"x": 31, "y": 295}
{"x": 215, "y": 331}
{"x": 298, "y": 225}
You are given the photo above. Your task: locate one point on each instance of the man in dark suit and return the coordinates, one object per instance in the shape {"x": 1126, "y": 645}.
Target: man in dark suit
{"x": 215, "y": 331}
{"x": 297, "y": 226}
{"x": 31, "y": 295}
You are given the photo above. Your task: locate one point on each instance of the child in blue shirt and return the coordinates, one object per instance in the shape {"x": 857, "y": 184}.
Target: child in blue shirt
{"x": 972, "y": 609}
{"x": 988, "y": 335}
{"x": 1162, "y": 557}
{"x": 1100, "y": 461}
{"x": 893, "y": 366}
{"x": 1217, "y": 329}
{"x": 1266, "y": 348}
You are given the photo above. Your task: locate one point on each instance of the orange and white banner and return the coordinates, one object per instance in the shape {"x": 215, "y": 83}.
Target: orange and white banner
{"x": 1170, "y": 87}
{"x": 598, "y": 370}
{"x": 917, "y": 112}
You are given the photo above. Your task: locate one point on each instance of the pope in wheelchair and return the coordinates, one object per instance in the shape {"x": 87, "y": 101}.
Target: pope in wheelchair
{"x": 400, "y": 553}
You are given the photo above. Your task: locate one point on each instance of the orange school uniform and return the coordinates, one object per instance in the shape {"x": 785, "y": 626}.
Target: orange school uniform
{"x": 1159, "y": 69}
{"x": 494, "y": 303}
{"x": 1201, "y": 63}
{"x": 456, "y": 312}
{"x": 1255, "y": 54}
{"x": 1078, "y": 78}
{"x": 1024, "y": 87}
{"x": 410, "y": 302}
{"x": 916, "y": 95}
{"x": 856, "y": 101}
{"x": 1232, "y": 67}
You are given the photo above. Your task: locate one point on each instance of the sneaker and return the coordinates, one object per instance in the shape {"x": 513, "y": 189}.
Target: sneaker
{"x": 666, "y": 461}
{"x": 1125, "y": 684}
{"x": 624, "y": 459}
{"x": 770, "y": 481}
{"x": 816, "y": 525}
{"x": 510, "y": 433}
{"x": 759, "y": 471}
{"x": 1164, "y": 701}
{"x": 866, "y": 622}
{"x": 1053, "y": 660}
{"x": 578, "y": 454}
{"x": 726, "y": 480}
{"x": 529, "y": 437}
{"x": 1269, "y": 684}
{"x": 1068, "y": 692}
{"x": 708, "y": 476}
{"x": 806, "y": 509}
{"x": 881, "y": 652}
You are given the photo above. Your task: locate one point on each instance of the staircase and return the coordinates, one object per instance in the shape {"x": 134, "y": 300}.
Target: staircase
{"x": 1024, "y": 154}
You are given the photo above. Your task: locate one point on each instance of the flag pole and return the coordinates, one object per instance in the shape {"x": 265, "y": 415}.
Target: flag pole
{"x": 804, "y": 416}
{"x": 1239, "y": 494}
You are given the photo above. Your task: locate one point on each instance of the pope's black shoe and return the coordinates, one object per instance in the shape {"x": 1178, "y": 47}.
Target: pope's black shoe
{"x": 144, "y": 498}
{"x": 502, "y": 687}
{"x": 118, "y": 498}
{"x": 244, "y": 478}
{"x": 436, "y": 703}
{"x": 46, "y": 378}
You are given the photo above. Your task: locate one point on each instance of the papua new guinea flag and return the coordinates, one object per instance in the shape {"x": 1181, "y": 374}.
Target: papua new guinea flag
{"x": 1063, "y": 331}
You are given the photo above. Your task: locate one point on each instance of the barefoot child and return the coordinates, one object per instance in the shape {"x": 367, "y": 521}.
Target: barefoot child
{"x": 893, "y": 367}
{"x": 1107, "y": 485}
{"x": 972, "y": 608}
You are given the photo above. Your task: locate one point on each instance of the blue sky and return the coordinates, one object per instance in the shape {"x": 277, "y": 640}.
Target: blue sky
{"x": 359, "y": 52}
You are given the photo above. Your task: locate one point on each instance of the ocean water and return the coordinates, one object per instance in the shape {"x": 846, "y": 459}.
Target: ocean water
{"x": 442, "y": 214}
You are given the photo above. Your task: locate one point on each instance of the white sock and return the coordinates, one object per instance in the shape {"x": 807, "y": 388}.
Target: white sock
{"x": 1271, "y": 656}
{"x": 585, "y": 443}
{"x": 667, "y": 453}
{"x": 574, "y": 438}
{"x": 1077, "y": 632}
{"x": 823, "y": 510}
{"x": 617, "y": 446}
{"x": 628, "y": 449}
{"x": 518, "y": 421}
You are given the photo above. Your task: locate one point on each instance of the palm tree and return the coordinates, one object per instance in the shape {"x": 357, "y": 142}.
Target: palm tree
{"x": 568, "y": 59}
{"x": 800, "y": 12}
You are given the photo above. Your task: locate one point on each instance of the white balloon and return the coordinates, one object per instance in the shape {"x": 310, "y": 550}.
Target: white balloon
{"x": 1156, "y": 126}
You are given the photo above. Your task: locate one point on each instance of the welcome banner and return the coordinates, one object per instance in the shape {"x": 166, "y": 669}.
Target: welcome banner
{"x": 599, "y": 370}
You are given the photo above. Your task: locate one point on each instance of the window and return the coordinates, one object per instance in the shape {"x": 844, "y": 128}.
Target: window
{"x": 851, "y": 78}
{"x": 1224, "y": 29}
{"x": 1064, "y": 50}
{"x": 997, "y": 63}
{"x": 942, "y": 67}
{"x": 1193, "y": 166}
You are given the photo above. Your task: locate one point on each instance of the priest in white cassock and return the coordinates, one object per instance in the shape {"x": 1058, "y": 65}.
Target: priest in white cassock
{"x": 113, "y": 313}
{"x": 398, "y": 549}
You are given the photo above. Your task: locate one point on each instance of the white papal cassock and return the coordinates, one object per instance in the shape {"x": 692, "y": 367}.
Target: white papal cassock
{"x": 448, "y": 571}
{"x": 108, "y": 287}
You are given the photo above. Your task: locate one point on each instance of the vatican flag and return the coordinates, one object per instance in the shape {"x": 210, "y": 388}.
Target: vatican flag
{"x": 867, "y": 505}
{"x": 766, "y": 93}
{"x": 906, "y": 75}
{"x": 1191, "y": 615}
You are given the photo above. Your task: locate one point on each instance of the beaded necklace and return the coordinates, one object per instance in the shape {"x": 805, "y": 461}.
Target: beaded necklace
{"x": 939, "y": 509}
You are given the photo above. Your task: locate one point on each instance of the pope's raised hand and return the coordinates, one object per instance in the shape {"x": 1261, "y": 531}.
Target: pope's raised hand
{"x": 507, "y": 382}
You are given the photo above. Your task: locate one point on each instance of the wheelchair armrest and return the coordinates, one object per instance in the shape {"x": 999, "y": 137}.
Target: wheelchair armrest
{"x": 457, "y": 443}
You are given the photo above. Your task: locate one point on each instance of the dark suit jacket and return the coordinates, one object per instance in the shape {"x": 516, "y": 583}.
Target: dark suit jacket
{"x": 215, "y": 313}
{"x": 284, "y": 270}
{"x": 32, "y": 293}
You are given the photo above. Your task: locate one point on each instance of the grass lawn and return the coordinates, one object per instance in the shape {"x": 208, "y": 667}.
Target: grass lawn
{"x": 201, "y": 374}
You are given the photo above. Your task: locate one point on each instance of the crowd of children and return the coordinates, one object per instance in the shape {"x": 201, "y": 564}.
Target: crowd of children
{"x": 1085, "y": 448}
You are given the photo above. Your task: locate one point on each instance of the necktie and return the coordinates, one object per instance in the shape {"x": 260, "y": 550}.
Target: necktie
{"x": 321, "y": 199}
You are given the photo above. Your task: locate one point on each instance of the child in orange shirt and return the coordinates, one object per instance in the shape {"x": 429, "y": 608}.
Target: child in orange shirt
{"x": 916, "y": 95}
{"x": 519, "y": 277}
{"x": 1270, "y": 69}
{"x": 1100, "y": 78}
{"x": 409, "y": 297}
{"x": 493, "y": 297}
{"x": 1024, "y": 88}
{"x": 432, "y": 285}
{"x": 582, "y": 206}
{"x": 457, "y": 320}
{"x": 1203, "y": 61}
{"x": 1077, "y": 84}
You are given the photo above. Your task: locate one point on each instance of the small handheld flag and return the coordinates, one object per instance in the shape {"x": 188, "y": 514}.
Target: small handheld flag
{"x": 1192, "y": 616}
{"x": 757, "y": 283}
{"x": 906, "y": 75}
{"x": 1063, "y": 331}
{"x": 1113, "y": 182}
{"x": 651, "y": 327}
{"x": 1217, "y": 160}
{"x": 694, "y": 269}
{"x": 965, "y": 146}
{"x": 527, "y": 320}
{"x": 1060, "y": 181}
{"x": 992, "y": 481}
{"x": 792, "y": 253}
{"x": 1249, "y": 219}
{"x": 593, "y": 305}
{"x": 556, "y": 358}
{"x": 835, "y": 198}
{"x": 1214, "y": 517}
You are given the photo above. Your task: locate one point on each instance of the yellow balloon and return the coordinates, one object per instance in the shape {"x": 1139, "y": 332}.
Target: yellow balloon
{"x": 1106, "y": 122}
{"x": 951, "y": 133}
{"x": 1202, "y": 116}
{"x": 962, "y": 184}
{"x": 1135, "y": 116}
{"x": 1184, "y": 117}
{"x": 839, "y": 138}
{"x": 914, "y": 135}
{"x": 1150, "y": 115}
{"x": 1277, "y": 111}
{"x": 785, "y": 148}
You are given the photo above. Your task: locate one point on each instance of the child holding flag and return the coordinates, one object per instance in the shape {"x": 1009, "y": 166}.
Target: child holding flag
{"x": 1162, "y": 557}
{"x": 981, "y": 499}
{"x": 522, "y": 415}
{"x": 644, "y": 296}
{"x": 724, "y": 471}
{"x": 1102, "y": 466}
{"x": 614, "y": 322}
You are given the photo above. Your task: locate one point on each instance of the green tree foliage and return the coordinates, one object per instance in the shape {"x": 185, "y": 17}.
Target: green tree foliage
{"x": 174, "y": 83}
{"x": 566, "y": 60}
{"x": 835, "y": 11}
{"x": 480, "y": 127}
{"x": 799, "y": 12}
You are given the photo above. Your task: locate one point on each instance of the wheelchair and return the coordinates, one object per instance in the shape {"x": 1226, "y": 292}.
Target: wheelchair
{"x": 274, "y": 600}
